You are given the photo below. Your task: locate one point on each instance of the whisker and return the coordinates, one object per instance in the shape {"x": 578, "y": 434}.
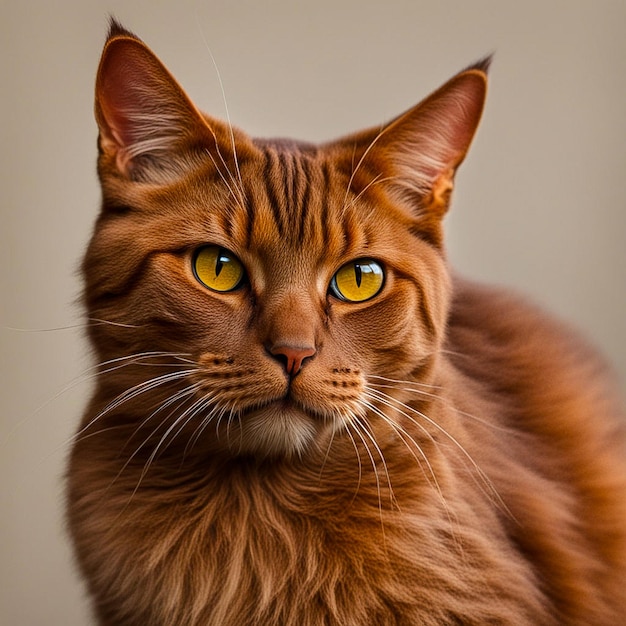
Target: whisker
{"x": 425, "y": 394}
{"x": 402, "y": 408}
{"x": 179, "y": 397}
{"x": 441, "y": 399}
{"x": 88, "y": 375}
{"x": 360, "y": 162}
{"x": 189, "y": 392}
{"x": 142, "y": 387}
{"x": 102, "y": 368}
{"x": 358, "y": 456}
{"x": 230, "y": 126}
{"x": 402, "y": 433}
{"x": 92, "y": 322}
{"x": 358, "y": 428}
{"x": 220, "y": 416}
{"x": 84, "y": 433}
{"x": 185, "y": 417}
{"x": 404, "y": 382}
{"x": 130, "y": 394}
{"x": 188, "y": 415}
{"x": 455, "y": 353}
{"x": 326, "y": 456}
{"x": 43, "y": 330}
{"x": 376, "y": 181}
{"x": 212, "y": 411}
{"x": 238, "y": 198}
{"x": 364, "y": 428}
{"x": 99, "y": 322}
{"x": 234, "y": 415}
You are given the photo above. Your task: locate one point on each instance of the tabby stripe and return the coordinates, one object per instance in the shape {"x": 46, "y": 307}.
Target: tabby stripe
{"x": 271, "y": 192}
{"x": 423, "y": 371}
{"x": 295, "y": 206}
{"x": 347, "y": 237}
{"x": 127, "y": 285}
{"x": 326, "y": 178}
{"x": 425, "y": 312}
{"x": 306, "y": 194}
{"x": 225, "y": 218}
{"x": 251, "y": 212}
{"x": 287, "y": 171}
{"x": 367, "y": 237}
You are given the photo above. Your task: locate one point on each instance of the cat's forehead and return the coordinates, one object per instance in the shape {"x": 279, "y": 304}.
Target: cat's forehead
{"x": 296, "y": 200}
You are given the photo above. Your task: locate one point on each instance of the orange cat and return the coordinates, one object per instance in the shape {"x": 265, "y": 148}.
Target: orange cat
{"x": 300, "y": 417}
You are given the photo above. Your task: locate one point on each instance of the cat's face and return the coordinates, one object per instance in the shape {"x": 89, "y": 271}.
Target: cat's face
{"x": 272, "y": 281}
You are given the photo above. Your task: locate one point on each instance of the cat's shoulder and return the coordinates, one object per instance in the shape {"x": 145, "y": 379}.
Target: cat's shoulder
{"x": 498, "y": 330}
{"x": 495, "y": 312}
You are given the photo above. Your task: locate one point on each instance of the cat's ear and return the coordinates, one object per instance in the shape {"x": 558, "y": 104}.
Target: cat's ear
{"x": 429, "y": 142}
{"x": 419, "y": 152}
{"x": 146, "y": 120}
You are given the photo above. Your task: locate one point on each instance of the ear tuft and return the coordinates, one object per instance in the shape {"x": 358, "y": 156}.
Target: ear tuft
{"x": 443, "y": 127}
{"x": 414, "y": 157}
{"x": 116, "y": 29}
{"x": 420, "y": 150}
{"x": 482, "y": 65}
{"x": 145, "y": 118}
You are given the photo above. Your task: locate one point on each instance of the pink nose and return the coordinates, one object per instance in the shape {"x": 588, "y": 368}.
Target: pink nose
{"x": 292, "y": 357}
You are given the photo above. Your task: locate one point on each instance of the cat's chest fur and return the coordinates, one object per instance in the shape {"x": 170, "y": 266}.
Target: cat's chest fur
{"x": 243, "y": 543}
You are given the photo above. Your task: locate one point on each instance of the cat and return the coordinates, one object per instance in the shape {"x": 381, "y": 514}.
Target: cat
{"x": 301, "y": 416}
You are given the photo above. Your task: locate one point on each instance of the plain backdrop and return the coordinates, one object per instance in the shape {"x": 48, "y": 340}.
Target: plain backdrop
{"x": 539, "y": 203}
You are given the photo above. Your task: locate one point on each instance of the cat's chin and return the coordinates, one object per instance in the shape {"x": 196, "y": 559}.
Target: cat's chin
{"x": 279, "y": 429}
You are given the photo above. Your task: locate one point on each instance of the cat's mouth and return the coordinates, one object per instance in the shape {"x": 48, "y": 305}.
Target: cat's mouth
{"x": 281, "y": 406}
{"x": 280, "y": 427}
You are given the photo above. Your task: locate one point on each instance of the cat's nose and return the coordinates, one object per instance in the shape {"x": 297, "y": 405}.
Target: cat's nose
{"x": 291, "y": 357}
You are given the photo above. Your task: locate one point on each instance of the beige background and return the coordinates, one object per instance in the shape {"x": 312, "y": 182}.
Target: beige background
{"x": 539, "y": 204}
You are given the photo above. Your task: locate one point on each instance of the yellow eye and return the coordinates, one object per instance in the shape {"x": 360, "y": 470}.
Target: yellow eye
{"x": 218, "y": 269}
{"x": 358, "y": 280}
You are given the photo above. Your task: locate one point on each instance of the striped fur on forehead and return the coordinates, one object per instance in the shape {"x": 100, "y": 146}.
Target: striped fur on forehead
{"x": 295, "y": 197}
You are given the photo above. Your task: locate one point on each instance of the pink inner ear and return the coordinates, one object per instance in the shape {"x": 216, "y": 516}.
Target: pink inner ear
{"x": 118, "y": 125}
{"x": 142, "y": 110}
{"x": 123, "y": 90}
{"x": 139, "y": 106}
{"x": 450, "y": 118}
{"x": 466, "y": 102}
{"x": 431, "y": 140}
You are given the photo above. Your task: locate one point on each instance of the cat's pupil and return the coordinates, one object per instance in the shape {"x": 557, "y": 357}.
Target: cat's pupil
{"x": 219, "y": 264}
{"x": 357, "y": 273}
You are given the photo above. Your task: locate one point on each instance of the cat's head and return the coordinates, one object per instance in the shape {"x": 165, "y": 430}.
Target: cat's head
{"x": 272, "y": 281}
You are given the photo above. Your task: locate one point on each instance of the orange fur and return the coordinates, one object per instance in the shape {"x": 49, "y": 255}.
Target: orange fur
{"x": 442, "y": 453}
